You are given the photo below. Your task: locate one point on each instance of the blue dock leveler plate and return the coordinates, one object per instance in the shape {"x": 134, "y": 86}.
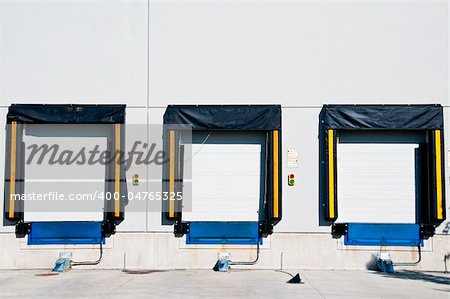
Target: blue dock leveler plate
{"x": 238, "y": 233}
{"x": 65, "y": 233}
{"x": 367, "y": 234}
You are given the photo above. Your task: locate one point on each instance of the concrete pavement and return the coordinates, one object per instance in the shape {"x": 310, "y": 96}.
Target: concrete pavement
{"x": 208, "y": 284}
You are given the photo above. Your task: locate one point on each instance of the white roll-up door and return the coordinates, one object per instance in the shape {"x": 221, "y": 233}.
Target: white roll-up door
{"x": 71, "y": 186}
{"x": 376, "y": 183}
{"x": 225, "y": 182}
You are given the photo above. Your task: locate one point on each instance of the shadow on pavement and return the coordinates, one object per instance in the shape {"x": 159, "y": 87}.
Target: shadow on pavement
{"x": 413, "y": 275}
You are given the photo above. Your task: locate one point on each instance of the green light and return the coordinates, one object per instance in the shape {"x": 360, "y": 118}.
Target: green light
{"x": 291, "y": 182}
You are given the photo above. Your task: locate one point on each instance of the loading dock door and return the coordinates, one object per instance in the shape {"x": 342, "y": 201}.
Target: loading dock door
{"x": 225, "y": 182}
{"x": 221, "y": 125}
{"x": 376, "y": 183}
{"x": 22, "y": 117}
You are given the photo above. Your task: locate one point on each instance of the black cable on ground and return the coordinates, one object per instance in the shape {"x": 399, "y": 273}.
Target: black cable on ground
{"x": 294, "y": 278}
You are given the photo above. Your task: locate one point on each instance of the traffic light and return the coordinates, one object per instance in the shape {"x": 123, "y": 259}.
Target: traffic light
{"x": 291, "y": 179}
{"x": 136, "y": 180}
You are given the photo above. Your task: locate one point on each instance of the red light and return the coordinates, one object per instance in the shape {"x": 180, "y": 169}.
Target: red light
{"x": 291, "y": 176}
{"x": 136, "y": 176}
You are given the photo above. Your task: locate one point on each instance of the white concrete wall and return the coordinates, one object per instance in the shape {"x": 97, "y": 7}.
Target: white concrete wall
{"x": 300, "y": 54}
{"x": 163, "y": 251}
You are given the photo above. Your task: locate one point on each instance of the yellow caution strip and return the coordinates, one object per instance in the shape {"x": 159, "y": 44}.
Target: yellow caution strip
{"x": 440, "y": 209}
{"x": 331, "y": 173}
{"x": 12, "y": 181}
{"x": 275, "y": 174}
{"x": 171, "y": 173}
{"x": 117, "y": 173}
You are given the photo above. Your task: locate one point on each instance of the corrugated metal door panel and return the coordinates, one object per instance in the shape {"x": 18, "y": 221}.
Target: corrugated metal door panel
{"x": 225, "y": 182}
{"x": 376, "y": 183}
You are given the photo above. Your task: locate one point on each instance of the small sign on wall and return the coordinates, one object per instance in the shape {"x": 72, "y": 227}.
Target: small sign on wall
{"x": 292, "y": 158}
